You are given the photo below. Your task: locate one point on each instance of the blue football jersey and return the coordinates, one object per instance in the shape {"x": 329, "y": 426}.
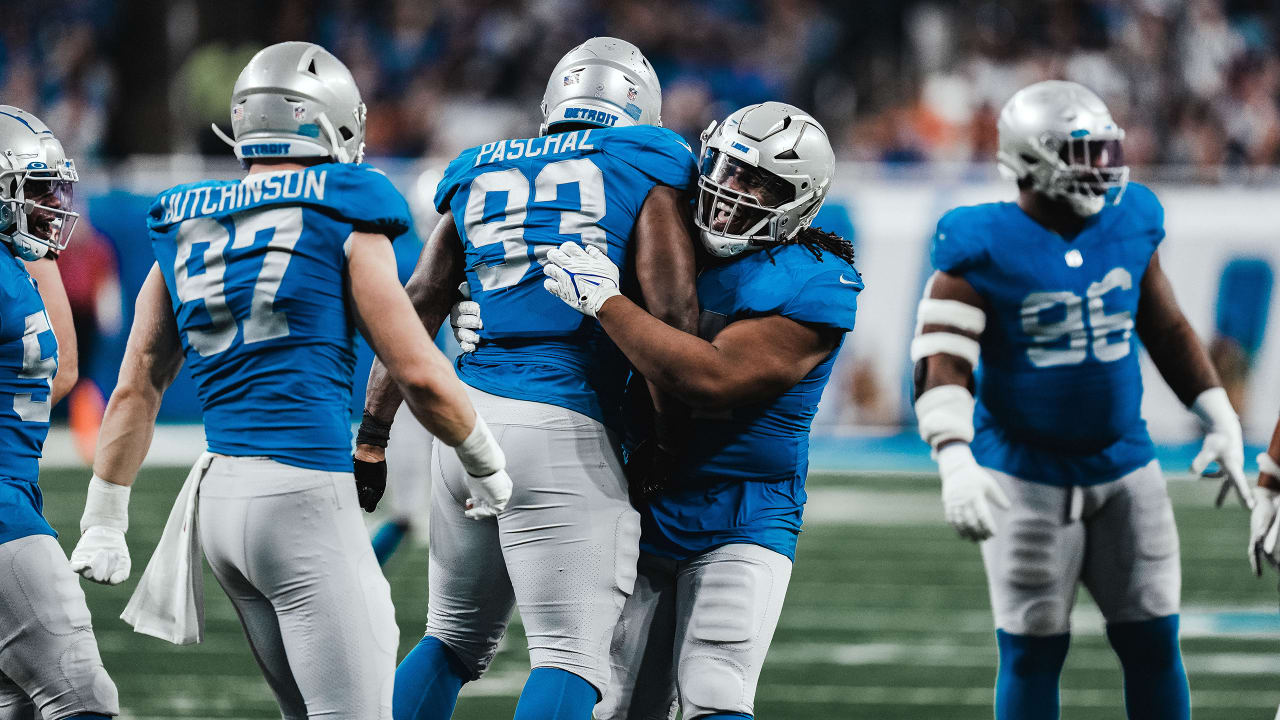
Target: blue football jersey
{"x": 1059, "y": 386}
{"x": 512, "y": 202}
{"x": 256, "y": 273}
{"x": 28, "y": 362}
{"x": 743, "y": 475}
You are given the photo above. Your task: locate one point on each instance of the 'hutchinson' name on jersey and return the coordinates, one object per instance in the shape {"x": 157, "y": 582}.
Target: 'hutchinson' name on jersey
{"x": 225, "y": 198}
{"x": 559, "y": 143}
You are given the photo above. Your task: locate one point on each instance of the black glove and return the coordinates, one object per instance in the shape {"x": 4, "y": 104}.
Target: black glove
{"x": 648, "y": 469}
{"x": 371, "y": 482}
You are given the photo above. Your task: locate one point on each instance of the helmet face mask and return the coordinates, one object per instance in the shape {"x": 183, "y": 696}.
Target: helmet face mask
{"x": 738, "y": 200}
{"x": 36, "y": 180}
{"x": 1060, "y": 137}
{"x": 765, "y": 172}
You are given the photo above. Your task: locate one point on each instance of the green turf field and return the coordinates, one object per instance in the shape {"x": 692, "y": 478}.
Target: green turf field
{"x": 887, "y": 617}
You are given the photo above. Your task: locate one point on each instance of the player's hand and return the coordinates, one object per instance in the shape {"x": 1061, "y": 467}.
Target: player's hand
{"x": 648, "y": 469}
{"x": 464, "y": 318}
{"x": 489, "y": 495}
{"x": 1264, "y": 527}
{"x": 102, "y": 555}
{"x": 583, "y": 279}
{"x": 370, "y": 466}
{"x": 968, "y": 491}
{"x": 1226, "y": 448}
{"x": 1223, "y": 444}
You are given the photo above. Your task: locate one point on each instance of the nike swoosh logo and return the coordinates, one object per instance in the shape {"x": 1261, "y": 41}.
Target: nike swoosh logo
{"x": 847, "y": 282}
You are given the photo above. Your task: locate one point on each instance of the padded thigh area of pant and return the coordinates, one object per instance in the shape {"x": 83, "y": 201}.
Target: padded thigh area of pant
{"x": 730, "y": 599}
{"x": 47, "y": 648}
{"x": 729, "y": 594}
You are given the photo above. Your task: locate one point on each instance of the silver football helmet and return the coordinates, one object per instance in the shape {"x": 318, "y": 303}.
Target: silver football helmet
{"x": 605, "y": 82}
{"x": 765, "y": 172}
{"x": 296, "y": 100}
{"x": 1061, "y": 137}
{"x": 36, "y": 177}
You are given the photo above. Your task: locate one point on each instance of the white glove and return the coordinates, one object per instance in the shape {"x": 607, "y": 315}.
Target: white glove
{"x": 487, "y": 480}
{"x": 966, "y": 491}
{"x": 489, "y": 495}
{"x": 584, "y": 279}
{"x": 1263, "y": 529}
{"x": 464, "y": 318}
{"x": 1264, "y": 523}
{"x": 102, "y": 555}
{"x": 1223, "y": 444}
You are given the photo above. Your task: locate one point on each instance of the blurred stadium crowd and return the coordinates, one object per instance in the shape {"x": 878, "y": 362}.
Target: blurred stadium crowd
{"x": 1196, "y": 82}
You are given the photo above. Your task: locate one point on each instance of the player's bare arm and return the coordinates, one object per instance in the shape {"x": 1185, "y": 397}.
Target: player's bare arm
{"x": 664, "y": 260}
{"x": 431, "y": 289}
{"x": 54, "y": 294}
{"x": 747, "y": 362}
{"x": 404, "y": 349}
{"x": 1172, "y": 344}
{"x": 950, "y": 321}
{"x": 422, "y": 373}
{"x": 151, "y": 361}
{"x": 665, "y": 270}
{"x": 1185, "y": 365}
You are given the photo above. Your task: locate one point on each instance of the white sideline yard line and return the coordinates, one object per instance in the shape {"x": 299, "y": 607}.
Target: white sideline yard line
{"x": 1108, "y": 698}
{"x": 1264, "y": 662}
{"x": 1237, "y": 623}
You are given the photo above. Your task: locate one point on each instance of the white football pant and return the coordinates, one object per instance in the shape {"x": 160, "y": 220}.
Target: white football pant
{"x": 1118, "y": 538}
{"x": 695, "y": 633}
{"x": 289, "y": 547}
{"x": 49, "y": 661}
{"x": 408, "y": 469}
{"x": 564, "y": 550}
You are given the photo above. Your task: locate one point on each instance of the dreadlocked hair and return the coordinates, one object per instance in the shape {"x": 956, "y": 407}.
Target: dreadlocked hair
{"x": 818, "y": 241}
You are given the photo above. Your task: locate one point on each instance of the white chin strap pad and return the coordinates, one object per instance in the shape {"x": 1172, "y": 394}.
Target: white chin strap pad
{"x": 945, "y": 413}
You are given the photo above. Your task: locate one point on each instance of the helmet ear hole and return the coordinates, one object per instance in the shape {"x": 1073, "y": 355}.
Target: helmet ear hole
{"x": 345, "y": 132}
{"x": 1029, "y": 159}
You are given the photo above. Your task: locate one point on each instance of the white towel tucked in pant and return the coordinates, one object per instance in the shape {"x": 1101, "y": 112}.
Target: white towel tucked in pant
{"x": 169, "y": 600}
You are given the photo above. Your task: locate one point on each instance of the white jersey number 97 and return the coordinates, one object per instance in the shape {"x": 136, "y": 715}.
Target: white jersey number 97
{"x": 264, "y": 322}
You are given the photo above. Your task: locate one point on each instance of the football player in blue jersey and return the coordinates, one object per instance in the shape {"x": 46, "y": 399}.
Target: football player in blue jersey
{"x": 605, "y": 173}
{"x": 258, "y": 285}
{"x": 49, "y": 661}
{"x": 721, "y": 519}
{"x": 1035, "y": 303}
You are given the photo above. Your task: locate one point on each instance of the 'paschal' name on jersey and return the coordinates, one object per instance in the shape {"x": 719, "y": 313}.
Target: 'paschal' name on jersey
{"x": 534, "y": 147}
{"x": 218, "y": 199}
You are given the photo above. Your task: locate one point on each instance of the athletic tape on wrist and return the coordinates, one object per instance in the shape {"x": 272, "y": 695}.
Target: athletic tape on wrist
{"x": 945, "y": 413}
{"x": 107, "y": 505}
{"x": 480, "y": 454}
{"x": 373, "y": 431}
